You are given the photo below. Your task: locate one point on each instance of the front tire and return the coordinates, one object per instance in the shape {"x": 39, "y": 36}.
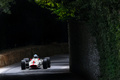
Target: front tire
{"x": 45, "y": 64}
{"x": 23, "y": 66}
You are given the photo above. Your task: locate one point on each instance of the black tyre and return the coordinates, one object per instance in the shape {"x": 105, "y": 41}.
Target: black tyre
{"x": 48, "y": 61}
{"x": 23, "y": 65}
{"x": 45, "y": 64}
{"x": 27, "y": 62}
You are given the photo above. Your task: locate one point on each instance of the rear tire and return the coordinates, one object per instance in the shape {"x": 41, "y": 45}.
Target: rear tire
{"x": 26, "y": 59}
{"x": 48, "y": 61}
{"x": 23, "y": 66}
{"x": 45, "y": 64}
{"x": 27, "y": 62}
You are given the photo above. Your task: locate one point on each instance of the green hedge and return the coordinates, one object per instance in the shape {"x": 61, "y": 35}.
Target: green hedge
{"x": 104, "y": 21}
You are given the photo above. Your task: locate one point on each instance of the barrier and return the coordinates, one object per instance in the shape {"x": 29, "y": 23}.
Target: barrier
{"x": 12, "y": 56}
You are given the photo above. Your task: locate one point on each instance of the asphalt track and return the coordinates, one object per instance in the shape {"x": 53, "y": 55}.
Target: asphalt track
{"x": 59, "y": 70}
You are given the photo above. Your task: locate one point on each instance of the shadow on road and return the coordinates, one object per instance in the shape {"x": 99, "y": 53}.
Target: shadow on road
{"x": 58, "y": 76}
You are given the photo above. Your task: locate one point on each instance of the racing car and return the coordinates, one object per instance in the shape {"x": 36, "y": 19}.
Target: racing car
{"x": 35, "y": 62}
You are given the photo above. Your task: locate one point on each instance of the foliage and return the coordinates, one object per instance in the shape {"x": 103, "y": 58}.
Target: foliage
{"x": 57, "y": 7}
{"x": 5, "y": 5}
{"x": 103, "y": 18}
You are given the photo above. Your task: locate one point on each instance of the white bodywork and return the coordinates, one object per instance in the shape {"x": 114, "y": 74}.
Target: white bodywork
{"x": 35, "y": 63}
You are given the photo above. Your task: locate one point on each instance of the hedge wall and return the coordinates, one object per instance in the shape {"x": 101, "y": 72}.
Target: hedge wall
{"x": 104, "y": 21}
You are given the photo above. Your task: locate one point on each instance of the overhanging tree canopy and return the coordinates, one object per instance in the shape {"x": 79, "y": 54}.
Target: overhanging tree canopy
{"x": 5, "y": 5}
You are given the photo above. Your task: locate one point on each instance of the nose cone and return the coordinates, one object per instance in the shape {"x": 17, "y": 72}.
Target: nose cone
{"x": 33, "y": 61}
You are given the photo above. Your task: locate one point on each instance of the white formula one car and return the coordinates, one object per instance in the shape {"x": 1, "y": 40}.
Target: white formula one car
{"x": 35, "y": 62}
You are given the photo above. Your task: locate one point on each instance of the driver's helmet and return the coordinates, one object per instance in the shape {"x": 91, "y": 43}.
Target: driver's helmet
{"x": 35, "y": 56}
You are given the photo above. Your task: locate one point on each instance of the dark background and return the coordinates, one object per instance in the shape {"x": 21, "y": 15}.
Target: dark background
{"x": 29, "y": 24}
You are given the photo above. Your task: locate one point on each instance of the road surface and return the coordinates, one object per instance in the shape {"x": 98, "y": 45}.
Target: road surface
{"x": 59, "y": 70}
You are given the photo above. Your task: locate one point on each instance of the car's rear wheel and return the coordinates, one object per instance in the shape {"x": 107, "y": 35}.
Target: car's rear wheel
{"x": 23, "y": 66}
{"x": 27, "y": 62}
{"x": 26, "y": 59}
{"x": 45, "y": 64}
{"x": 48, "y": 61}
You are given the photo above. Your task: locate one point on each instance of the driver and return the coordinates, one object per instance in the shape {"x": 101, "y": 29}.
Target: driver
{"x": 35, "y": 56}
